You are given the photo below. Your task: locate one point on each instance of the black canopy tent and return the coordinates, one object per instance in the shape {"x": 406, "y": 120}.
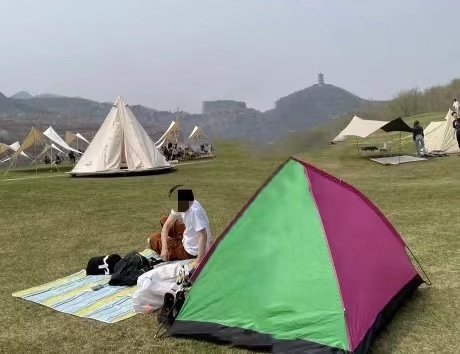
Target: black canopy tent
{"x": 395, "y": 125}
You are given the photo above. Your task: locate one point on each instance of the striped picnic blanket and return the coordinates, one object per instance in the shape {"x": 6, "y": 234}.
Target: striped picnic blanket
{"x": 73, "y": 295}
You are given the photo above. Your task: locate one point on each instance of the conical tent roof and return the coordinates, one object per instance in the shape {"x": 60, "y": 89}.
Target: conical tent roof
{"x": 308, "y": 264}
{"x": 120, "y": 140}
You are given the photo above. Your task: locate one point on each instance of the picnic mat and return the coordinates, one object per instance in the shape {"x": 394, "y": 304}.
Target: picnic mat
{"x": 396, "y": 160}
{"x": 73, "y": 295}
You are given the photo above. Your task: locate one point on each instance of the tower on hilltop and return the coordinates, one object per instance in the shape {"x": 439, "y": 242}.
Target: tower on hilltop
{"x": 320, "y": 79}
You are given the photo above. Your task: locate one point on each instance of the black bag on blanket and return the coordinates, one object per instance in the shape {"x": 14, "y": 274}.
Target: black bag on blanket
{"x": 102, "y": 264}
{"x": 129, "y": 268}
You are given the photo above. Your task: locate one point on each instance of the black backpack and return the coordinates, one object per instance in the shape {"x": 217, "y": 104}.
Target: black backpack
{"x": 129, "y": 268}
{"x": 102, "y": 264}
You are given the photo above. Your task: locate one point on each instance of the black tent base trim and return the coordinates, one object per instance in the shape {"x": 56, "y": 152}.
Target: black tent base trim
{"x": 252, "y": 340}
{"x": 123, "y": 173}
{"x": 245, "y": 339}
{"x": 386, "y": 315}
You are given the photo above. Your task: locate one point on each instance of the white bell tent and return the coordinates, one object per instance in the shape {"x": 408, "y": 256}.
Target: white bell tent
{"x": 121, "y": 145}
{"x": 440, "y": 136}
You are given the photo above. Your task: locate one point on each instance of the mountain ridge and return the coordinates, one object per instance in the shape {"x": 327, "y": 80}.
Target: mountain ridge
{"x": 296, "y": 111}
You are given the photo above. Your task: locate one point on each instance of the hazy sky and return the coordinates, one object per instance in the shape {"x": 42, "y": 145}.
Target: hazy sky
{"x": 164, "y": 53}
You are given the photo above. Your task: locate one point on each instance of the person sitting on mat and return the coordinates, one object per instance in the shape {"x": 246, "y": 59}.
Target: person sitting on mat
{"x": 176, "y": 232}
{"x": 196, "y": 238}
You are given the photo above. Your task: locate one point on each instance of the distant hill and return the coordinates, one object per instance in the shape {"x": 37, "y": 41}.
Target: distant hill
{"x": 75, "y": 107}
{"x": 295, "y": 112}
{"x": 10, "y": 106}
{"x": 22, "y": 95}
{"x": 310, "y": 106}
{"x": 221, "y": 119}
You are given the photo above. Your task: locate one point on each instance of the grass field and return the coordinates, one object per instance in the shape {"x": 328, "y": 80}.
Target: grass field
{"x": 51, "y": 225}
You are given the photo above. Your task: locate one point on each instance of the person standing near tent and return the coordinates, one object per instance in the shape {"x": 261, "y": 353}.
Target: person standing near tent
{"x": 456, "y": 126}
{"x": 71, "y": 157}
{"x": 419, "y": 138}
{"x": 456, "y": 105}
{"x": 196, "y": 238}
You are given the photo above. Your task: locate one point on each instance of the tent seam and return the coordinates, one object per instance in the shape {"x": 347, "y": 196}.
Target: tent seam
{"x": 330, "y": 256}
{"x": 359, "y": 194}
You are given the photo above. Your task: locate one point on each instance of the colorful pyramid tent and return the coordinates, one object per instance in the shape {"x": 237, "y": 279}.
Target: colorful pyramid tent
{"x": 308, "y": 265}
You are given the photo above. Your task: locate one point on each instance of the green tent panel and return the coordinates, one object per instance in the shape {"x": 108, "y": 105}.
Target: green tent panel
{"x": 289, "y": 301}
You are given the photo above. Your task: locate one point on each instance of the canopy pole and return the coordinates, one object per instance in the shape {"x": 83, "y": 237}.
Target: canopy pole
{"x": 429, "y": 283}
{"x": 400, "y": 147}
{"x": 35, "y": 154}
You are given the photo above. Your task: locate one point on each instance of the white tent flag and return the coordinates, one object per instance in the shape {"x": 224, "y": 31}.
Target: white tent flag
{"x": 56, "y": 148}
{"x": 360, "y": 127}
{"x": 121, "y": 140}
{"x": 15, "y": 147}
{"x": 193, "y": 133}
{"x": 160, "y": 144}
{"x": 78, "y": 135}
{"x": 197, "y": 133}
{"x": 54, "y": 137}
{"x": 170, "y": 134}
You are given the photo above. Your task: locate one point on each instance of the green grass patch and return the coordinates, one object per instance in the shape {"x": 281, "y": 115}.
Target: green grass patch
{"x": 51, "y": 226}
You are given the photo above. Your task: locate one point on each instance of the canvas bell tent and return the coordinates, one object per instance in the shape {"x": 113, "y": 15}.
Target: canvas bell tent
{"x": 121, "y": 145}
{"x": 308, "y": 265}
{"x": 440, "y": 136}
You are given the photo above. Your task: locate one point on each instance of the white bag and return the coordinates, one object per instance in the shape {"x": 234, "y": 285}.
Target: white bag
{"x": 153, "y": 285}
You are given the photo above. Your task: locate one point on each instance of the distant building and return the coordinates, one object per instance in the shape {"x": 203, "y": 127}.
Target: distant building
{"x": 320, "y": 79}
{"x": 222, "y": 106}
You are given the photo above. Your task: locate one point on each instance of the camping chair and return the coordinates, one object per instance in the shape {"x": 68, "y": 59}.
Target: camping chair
{"x": 386, "y": 147}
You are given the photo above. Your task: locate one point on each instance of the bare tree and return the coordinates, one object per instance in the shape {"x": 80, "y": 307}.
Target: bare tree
{"x": 407, "y": 103}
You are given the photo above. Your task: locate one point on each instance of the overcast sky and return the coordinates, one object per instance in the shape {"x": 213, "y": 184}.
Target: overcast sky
{"x": 164, "y": 53}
